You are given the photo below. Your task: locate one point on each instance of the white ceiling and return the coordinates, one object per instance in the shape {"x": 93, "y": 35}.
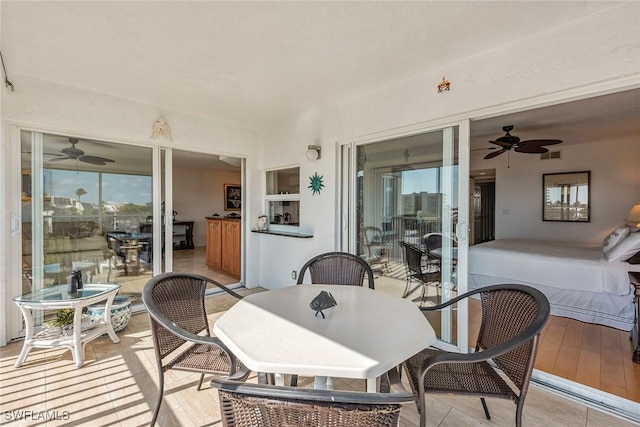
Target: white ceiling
{"x": 255, "y": 62}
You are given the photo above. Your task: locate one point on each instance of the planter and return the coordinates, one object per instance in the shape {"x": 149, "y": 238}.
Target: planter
{"x": 120, "y": 311}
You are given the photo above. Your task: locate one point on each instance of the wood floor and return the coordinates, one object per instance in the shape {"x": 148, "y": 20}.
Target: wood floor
{"x": 594, "y": 355}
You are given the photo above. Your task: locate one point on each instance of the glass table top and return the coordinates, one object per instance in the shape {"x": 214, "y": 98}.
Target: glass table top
{"x": 59, "y": 293}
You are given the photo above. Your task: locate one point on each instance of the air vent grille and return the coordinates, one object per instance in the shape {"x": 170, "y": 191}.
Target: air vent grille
{"x": 550, "y": 155}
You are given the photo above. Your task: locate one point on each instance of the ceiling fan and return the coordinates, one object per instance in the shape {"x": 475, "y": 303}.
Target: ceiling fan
{"x": 507, "y": 142}
{"x": 74, "y": 153}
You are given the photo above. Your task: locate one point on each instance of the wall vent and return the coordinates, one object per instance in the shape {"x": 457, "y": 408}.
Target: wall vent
{"x": 550, "y": 155}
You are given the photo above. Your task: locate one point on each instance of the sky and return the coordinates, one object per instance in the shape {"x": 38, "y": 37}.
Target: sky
{"x": 116, "y": 188}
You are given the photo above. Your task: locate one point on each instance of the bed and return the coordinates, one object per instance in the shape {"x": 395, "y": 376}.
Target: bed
{"x": 579, "y": 281}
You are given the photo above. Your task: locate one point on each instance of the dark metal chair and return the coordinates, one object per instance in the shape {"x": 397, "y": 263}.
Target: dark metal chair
{"x": 416, "y": 272}
{"x": 252, "y": 405}
{"x": 434, "y": 241}
{"x": 512, "y": 319}
{"x": 337, "y": 268}
{"x": 377, "y": 248}
{"x": 180, "y": 328}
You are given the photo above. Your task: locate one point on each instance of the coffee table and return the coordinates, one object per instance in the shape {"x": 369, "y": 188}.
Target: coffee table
{"x": 57, "y": 297}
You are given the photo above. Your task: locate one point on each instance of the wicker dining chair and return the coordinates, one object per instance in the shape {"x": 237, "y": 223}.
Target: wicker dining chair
{"x": 180, "y": 328}
{"x": 337, "y": 268}
{"x": 417, "y": 272}
{"x": 259, "y": 405}
{"x": 512, "y": 319}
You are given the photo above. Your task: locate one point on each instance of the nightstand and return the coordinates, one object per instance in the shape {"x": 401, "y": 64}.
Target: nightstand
{"x": 634, "y": 278}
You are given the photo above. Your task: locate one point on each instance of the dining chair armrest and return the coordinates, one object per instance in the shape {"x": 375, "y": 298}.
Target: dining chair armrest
{"x": 520, "y": 339}
{"x": 284, "y": 392}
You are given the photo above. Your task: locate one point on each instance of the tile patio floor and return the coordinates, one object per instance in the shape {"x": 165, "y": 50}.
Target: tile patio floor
{"x": 117, "y": 387}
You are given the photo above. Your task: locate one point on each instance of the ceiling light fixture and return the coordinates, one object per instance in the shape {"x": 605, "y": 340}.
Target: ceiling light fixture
{"x": 313, "y": 152}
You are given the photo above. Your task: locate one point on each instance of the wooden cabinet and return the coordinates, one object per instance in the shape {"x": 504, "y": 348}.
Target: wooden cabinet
{"x": 223, "y": 245}
{"x": 214, "y": 249}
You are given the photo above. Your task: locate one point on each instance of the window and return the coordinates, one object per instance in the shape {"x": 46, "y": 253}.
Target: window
{"x": 283, "y": 199}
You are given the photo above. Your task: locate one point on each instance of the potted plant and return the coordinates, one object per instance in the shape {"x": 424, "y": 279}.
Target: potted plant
{"x": 63, "y": 320}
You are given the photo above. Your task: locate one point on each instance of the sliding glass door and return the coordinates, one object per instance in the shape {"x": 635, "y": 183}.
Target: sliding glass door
{"x": 83, "y": 206}
{"x": 411, "y": 193}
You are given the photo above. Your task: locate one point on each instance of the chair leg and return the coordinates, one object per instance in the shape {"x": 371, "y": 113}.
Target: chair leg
{"x": 519, "y": 407}
{"x": 159, "y": 400}
{"x": 486, "y": 409}
{"x": 200, "y": 382}
{"x": 423, "y": 285}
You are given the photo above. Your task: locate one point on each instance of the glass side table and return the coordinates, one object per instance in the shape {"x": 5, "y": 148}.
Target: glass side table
{"x": 56, "y": 297}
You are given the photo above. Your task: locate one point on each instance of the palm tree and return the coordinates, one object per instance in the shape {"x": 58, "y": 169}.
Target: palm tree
{"x": 80, "y": 192}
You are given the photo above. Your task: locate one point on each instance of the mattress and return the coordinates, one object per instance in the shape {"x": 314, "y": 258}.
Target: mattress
{"x": 577, "y": 279}
{"x": 560, "y": 265}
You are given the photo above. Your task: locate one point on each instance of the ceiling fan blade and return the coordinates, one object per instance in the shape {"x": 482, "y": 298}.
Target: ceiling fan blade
{"x": 502, "y": 144}
{"x": 94, "y": 160}
{"x": 483, "y": 149}
{"x": 531, "y": 149}
{"x": 494, "y": 154}
{"x": 57, "y": 159}
{"x": 540, "y": 142}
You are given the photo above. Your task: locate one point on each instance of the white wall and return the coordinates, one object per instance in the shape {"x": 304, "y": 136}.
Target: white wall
{"x": 615, "y": 187}
{"x": 599, "y": 48}
{"x": 198, "y": 193}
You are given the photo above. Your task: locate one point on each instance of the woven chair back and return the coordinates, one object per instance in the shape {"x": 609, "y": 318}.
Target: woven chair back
{"x": 242, "y": 410}
{"x": 505, "y": 314}
{"x": 338, "y": 268}
{"x": 181, "y": 300}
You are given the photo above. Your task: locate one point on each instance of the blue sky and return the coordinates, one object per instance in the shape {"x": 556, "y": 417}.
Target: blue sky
{"x": 115, "y": 188}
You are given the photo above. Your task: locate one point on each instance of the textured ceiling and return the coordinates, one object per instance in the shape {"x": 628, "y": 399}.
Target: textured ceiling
{"x": 255, "y": 62}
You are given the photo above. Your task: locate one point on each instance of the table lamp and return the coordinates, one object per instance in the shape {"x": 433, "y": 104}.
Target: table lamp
{"x": 633, "y": 218}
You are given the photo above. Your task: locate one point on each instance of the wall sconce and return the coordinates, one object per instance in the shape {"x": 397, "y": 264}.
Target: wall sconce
{"x": 633, "y": 217}
{"x": 313, "y": 152}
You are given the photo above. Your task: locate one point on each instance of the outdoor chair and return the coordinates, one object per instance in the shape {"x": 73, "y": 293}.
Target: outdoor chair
{"x": 253, "y": 405}
{"x": 416, "y": 272}
{"x": 512, "y": 319}
{"x": 337, "y": 268}
{"x": 180, "y": 328}
{"x": 434, "y": 241}
{"x": 377, "y": 248}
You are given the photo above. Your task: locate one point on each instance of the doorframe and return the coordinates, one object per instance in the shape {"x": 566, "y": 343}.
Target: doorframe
{"x": 346, "y": 223}
{"x": 11, "y": 202}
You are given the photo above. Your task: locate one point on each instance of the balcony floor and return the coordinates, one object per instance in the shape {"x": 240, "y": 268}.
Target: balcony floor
{"x": 117, "y": 386}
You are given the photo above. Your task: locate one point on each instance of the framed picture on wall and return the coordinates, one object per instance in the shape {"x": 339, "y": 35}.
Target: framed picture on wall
{"x": 565, "y": 197}
{"x": 232, "y": 197}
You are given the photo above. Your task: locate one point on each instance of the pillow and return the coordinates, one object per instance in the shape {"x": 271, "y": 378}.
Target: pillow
{"x": 615, "y": 237}
{"x": 625, "y": 249}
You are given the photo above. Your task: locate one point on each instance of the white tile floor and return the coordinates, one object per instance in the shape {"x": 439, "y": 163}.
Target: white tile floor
{"x": 117, "y": 387}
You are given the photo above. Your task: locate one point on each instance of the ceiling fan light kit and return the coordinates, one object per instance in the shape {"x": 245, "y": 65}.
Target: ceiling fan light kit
{"x": 74, "y": 153}
{"x": 508, "y": 142}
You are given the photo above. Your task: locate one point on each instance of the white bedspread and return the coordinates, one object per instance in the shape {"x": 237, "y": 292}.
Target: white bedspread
{"x": 556, "y": 264}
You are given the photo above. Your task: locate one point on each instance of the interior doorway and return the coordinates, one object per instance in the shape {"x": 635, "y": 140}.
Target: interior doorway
{"x": 483, "y": 204}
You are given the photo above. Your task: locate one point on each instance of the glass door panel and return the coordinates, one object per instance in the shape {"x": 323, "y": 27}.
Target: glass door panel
{"x": 84, "y": 207}
{"x": 407, "y": 195}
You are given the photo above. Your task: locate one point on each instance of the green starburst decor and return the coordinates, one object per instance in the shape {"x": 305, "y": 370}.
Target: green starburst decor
{"x": 315, "y": 183}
